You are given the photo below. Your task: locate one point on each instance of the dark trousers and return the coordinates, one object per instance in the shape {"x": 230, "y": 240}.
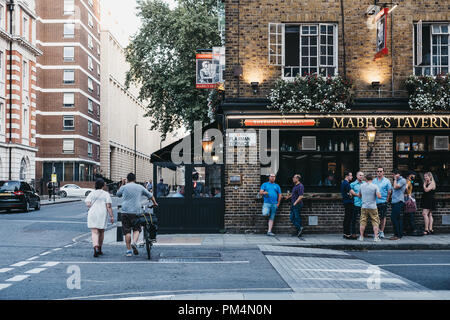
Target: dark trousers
{"x": 348, "y": 218}
{"x": 295, "y": 215}
{"x": 356, "y": 215}
{"x": 397, "y": 222}
{"x": 408, "y": 222}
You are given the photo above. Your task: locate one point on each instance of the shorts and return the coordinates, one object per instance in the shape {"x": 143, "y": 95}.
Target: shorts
{"x": 269, "y": 210}
{"x": 382, "y": 210}
{"x": 373, "y": 214}
{"x": 130, "y": 222}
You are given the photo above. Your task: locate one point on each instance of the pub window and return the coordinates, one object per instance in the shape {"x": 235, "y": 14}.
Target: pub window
{"x": 429, "y": 152}
{"x": 304, "y": 49}
{"x": 319, "y": 158}
{"x": 432, "y": 44}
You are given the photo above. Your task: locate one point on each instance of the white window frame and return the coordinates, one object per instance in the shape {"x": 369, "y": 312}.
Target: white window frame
{"x": 69, "y": 35}
{"x": 2, "y": 118}
{"x": 64, "y": 77}
{"x": 418, "y": 49}
{"x": 90, "y": 128}
{"x": 2, "y": 16}
{"x": 25, "y": 76}
{"x": 89, "y": 149}
{"x": 68, "y": 146}
{"x": 69, "y": 7}
{"x": 2, "y": 68}
{"x": 26, "y": 27}
{"x": 90, "y": 20}
{"x": 90, "y": 85}
{"x": 68, "y": 118}
{"x": 68, "y": 97}
{"x": 69, "y": 58}
{"x": 276, "y": 60}
{"x": 90, "y": 63}
{"x": 90, "y": 42}
{"x": 90, "y": 106}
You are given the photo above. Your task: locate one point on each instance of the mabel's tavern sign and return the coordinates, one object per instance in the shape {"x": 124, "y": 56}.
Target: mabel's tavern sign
{"x": 347, "y": 122}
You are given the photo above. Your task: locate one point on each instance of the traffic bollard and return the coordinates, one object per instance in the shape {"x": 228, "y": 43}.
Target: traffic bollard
{"x": 119, "y": 225}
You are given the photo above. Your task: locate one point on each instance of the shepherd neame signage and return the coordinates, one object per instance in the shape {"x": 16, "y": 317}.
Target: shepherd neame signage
{"x": 351, "y": 122}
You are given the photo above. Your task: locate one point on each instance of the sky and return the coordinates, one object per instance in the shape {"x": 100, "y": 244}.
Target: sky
{"x": 119, "y": 17}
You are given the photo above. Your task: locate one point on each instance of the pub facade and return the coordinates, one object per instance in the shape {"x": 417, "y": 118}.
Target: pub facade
{"x": 271, "y": 40}
{"x": 364, "y": 50}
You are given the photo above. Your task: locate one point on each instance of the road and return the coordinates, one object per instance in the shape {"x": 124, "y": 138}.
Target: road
{"x": 46, "y": 255}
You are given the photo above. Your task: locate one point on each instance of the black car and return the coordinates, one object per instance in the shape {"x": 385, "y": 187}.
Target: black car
{"x": 18, "y": 195}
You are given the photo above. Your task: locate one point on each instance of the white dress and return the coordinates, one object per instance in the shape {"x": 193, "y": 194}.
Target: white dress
{"x": 97, "y": 214}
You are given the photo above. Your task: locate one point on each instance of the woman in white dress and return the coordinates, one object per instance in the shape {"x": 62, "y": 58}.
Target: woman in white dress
{"x": 99, "y": 204}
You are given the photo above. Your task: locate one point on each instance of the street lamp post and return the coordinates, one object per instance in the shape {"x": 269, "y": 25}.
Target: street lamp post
{"x": 135, "y": 151}
{"x": 11, "y": 11}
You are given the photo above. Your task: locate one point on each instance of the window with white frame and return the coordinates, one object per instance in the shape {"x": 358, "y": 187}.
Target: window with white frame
{"x": 98, "y": 70}
{"x": 91, "y": 2}
{"x": 69, "y": 76}
{"x": 90, "y": 128}
{"x": 69, "y": 100}
{"x": 25, "y": 122}
{"x": 98, "y": 90}
{"x": 69, "y": 53}
{"x": 2, "y": 68}
{"x": 2, "y": 16}
{"x": 98, "y": 49}
{"x": 25, "y": 28}
{"x": 25, "y": 75}
{"x": 68, "y": 122}
{"x": 2, "y": 118}
{"x": 304, "y": 48}
{"x": 69, "y": 7}
{"x": 98, "y": 111}
{"x": 90, "y": 63}
{"x": 90, "y": 20}
{"x": 90, "y": 85}
{"x": 68, "y": 145}
{"x": 98, "y": 131}
{"x": 90, "y": 42}
{"x": 432, "y": 46}
{"x": 98, "y": 152}
{"x": 69, "y": 30}
{"x": 90, "y": 106}
{"x": 89, "y": 149}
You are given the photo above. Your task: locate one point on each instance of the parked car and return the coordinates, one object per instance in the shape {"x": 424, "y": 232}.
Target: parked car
{"x": 72, "y": 190}
{"x": 18, "y": 195}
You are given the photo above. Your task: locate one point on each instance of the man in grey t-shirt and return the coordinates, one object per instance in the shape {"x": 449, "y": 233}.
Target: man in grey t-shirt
{"x": 132, "y": 194}
{"x": 369, "y": 193}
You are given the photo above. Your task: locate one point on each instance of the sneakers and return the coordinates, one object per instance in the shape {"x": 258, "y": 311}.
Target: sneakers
{"x": 129, "y": 253}
{"x": 300, "y": 232}
{"x": 376, "y": 239}
{"x": 135, "y": 250}
{"x": 361, "y": 238}
{"x": 271, "y": 234}
{"x": 381, "y": 234}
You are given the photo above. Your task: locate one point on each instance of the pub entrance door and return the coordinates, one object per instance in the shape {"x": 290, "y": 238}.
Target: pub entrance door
{"x": 190, "y": 198}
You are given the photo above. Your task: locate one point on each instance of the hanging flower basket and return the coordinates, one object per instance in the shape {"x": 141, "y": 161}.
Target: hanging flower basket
{"x": 311, "y": 93}
{"x": 429, "y": 94}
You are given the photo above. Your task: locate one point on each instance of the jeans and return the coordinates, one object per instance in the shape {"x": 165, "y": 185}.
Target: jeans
{"x": 295, "y": 215}
{"x": 270, "y": 210}
{"x": 356, "y": 214}
{"x": 397, "y": 209}
{"x": 348, "y": 218}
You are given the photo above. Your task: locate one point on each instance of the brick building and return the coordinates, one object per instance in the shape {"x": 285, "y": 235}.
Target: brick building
{"x": 18, "y": 53}
{"x": 268, "y": 40}
{"x": 68, "y": 73}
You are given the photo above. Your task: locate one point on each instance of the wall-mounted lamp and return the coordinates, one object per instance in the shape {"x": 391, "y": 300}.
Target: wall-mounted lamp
{"x": 371, "y": 133}
{"x": 255, "y": 87}
{"x": 207, "y": 145}
{"x": 377, "y": 86}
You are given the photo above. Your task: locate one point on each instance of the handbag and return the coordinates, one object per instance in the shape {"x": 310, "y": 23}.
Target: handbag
{"x": 410, "y": 205}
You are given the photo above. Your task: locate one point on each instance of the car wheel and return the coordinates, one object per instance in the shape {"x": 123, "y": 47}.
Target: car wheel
{"x": 63, "y": 194}
{"x": 87, "y": 193}
{"x": 38, "y": 206}
{"x": 27, "y": 207}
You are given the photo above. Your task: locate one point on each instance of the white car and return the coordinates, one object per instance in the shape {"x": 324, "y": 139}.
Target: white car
{"x": 72, "y": 190}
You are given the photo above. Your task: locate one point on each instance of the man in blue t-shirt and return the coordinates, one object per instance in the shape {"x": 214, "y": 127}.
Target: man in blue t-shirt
{"x": 385, "y": 186}
{"x": 357, "y": 201}
{"x": 271, "y": 193}
{"x": 347, "y": 200}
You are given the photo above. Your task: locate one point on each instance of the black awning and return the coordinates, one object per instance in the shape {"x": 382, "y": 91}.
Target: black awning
{"x": 164, "y": 154}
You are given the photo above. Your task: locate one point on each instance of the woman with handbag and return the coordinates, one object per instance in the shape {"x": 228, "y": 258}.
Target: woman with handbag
{"x": 410, "y": 205}
{"x": 428, "y": 202}
{"x": 99, "y": 204}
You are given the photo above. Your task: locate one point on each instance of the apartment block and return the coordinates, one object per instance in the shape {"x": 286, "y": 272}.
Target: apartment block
{"x": 69, "y": 90}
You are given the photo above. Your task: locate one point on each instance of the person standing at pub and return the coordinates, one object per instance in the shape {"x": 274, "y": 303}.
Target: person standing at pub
{"x": 410, "y": 205}
{"x": 369, "y": 193}
{"x": 271, "y": 193}
{"x": 348, "y": 204}
{"x": 357, "y": 201}
{"x": 297, "y": 204}
{"x": 398, "y": 204}
{"x": 385, "y": 186}
{"x": 428, "y": 202}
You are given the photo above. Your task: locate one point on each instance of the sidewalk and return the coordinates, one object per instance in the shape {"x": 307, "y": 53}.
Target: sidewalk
{"x": 325, "y": 241}
{"x": 46, "y": 202}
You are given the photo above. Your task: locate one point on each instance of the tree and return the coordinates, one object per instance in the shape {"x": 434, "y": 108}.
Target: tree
{"x": 162, "y": 60}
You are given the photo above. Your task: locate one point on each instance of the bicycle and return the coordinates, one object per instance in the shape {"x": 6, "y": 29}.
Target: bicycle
{"x": 148, "y": 220}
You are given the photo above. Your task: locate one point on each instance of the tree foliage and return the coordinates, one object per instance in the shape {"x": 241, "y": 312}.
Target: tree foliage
{"x": 162, "y": 60}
